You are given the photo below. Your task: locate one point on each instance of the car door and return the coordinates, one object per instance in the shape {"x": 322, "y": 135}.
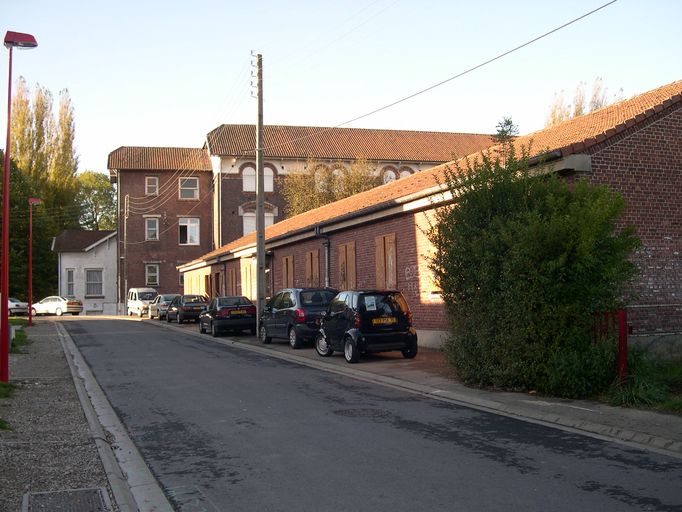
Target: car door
{"x": 284, "y": 314}
{"x": 173, "y": 308}
{"x": 334, "y": 321}
{"x": 268, "y": 316}
{"x": 207, "y": 316}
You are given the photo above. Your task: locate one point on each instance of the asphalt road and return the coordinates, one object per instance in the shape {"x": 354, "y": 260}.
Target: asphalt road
{"x": 226, "y": 429}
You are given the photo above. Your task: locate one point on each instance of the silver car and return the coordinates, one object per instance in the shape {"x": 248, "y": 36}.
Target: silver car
{"x": 16, "y": 307}
{"x": 159, "y": 306}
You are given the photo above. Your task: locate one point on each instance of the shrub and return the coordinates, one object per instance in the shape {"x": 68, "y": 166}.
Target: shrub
{"x": 522, "y": 262}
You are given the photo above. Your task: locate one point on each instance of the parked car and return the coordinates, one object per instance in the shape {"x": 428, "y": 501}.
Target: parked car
{"x": 186, "y": 307}
{"x": 159, "y": 306}
{"x": 16, "y": 307}
{"x": 294, "y": 314}
{"x": 359, "y": 322}
{"x": 56, "y": 305}
{"x": 228, "y": 314}
{"x": 139, "y": 299}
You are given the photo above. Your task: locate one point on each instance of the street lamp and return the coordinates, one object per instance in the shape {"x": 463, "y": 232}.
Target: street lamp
{"x": 12, "y": 40}
{"x": 31, "y": 202}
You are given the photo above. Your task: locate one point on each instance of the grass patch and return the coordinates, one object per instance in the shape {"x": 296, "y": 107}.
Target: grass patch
{"x": 6, "y": 389}
{"x": 18, "y": 320}
{"x": 4, "y": 425}
{"x": 19, "y": 342}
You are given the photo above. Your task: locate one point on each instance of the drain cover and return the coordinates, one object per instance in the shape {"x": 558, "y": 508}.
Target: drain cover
{"x": 73, "y": 500}
{"x": 362, "y": 413}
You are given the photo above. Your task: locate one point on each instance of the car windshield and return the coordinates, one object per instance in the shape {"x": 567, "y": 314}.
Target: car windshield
{"x": 167, "y": 298}
{"x": 383, "y": 303}
{"x": 317, "y": 297}
{"x": 147, "y": 295}
{"x": 12, "y": 299}
{"x": 233, "y": 301}
{"x": 193, "y": 299}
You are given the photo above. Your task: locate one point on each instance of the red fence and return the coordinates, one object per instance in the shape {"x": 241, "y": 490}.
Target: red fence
{"x": 608, "y": 325}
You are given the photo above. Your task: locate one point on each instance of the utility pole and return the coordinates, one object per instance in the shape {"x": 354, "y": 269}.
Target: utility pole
{"x": 260, "y": 191}
{"x": 125, "y": 253}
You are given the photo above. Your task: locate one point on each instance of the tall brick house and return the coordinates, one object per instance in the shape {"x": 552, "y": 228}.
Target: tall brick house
{"x": 376, "y": 239}
{"x": 164, "y": 213}
{"x": 184, "y": 202}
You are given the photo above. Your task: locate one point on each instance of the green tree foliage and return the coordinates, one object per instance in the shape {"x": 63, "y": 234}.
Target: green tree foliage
{"x": 97, "y": 200}
{"x": 561, "y": 111}
{"x": 523, "y": 262}
{"x": 320, "y": 184}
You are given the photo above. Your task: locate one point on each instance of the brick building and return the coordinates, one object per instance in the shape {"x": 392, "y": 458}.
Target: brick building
{"x": 376, "y": 239}
{"x": 184, "y": 202}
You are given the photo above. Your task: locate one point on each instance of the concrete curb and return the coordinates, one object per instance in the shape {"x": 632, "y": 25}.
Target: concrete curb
{"x": 642, "y": 440}
{"x": 132, "y": 483}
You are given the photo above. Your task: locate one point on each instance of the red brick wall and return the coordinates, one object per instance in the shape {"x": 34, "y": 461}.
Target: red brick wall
{"x": 167, "y": 251}
{"x": 644, "y": 164}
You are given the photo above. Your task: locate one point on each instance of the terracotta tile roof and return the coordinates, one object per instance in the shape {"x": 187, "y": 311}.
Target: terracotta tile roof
{"x": 345, "y": 143}
{"x": 159, "y": 159}
{"x": 77, "y": 240}
{"x": 568, "y": 137}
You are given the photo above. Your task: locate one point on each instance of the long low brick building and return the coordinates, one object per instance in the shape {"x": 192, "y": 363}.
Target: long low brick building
{"x": 376, "y": 239}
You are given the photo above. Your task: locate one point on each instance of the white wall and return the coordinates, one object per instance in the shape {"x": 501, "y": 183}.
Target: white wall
{"x": 102, "y": 256}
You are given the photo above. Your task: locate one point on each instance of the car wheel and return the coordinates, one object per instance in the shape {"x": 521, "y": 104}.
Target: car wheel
{"x": 58, "y": 312}
{"x": 139, "y": 313}
{"x": 322, "y": 347}
{"x": 34, "y": 312}
{"x": 179, "y": 318}
{"x": 214, "y": 330}
{"x": 350, "y": 351}
{"x": 410, "y": 352}
{"x": 264, "y": 338}
{"x": 294, "y": 340}
{"x": 168, "y": 318}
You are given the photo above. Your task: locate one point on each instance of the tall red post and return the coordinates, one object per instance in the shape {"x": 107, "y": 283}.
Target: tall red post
{"x": 4, "y": 274}
{"x": 31, "y": 202}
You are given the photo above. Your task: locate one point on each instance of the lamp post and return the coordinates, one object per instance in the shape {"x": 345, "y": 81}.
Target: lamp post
{"x": 31, "y": 202}
{"x": 12, "y": 40}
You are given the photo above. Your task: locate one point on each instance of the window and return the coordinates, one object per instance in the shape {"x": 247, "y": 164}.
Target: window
{"x": 151, "y": 228}
{"x": 189, "y": 188}
{"x": 151, "y": 272}
{"x": 389, "y": 176}
{"x": 312, "y": 268}
{"x": 287, "y": 272}
{"x": 151, "y": 185}
{"x": 249, "y": 179}
{"x": 249, "y": 221}
{"x": 405, "y": 172}
{"x": 386, "y": 269}
{"x": 189, "y": 231}
{"x": 69, "y": 282}
{"x": 347, "y": 280}
{"x": 93, "y": 283}
{"x": 181, "y": 279}
{"x": 268, "y": 180}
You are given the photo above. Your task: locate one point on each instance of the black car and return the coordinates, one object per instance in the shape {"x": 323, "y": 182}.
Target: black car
{"x": 186, "y": 307}
{"x": 228, "y": 314}
{"x": 360, "y": 322}
{"x": 294, "y": 314}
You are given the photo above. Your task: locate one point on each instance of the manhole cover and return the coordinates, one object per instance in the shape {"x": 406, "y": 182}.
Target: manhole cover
{"x": 73, "y": 500}
{"x": 362, "y": 413}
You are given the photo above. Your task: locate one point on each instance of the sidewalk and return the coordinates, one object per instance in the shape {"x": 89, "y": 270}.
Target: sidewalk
{"x": 53, "y": 444}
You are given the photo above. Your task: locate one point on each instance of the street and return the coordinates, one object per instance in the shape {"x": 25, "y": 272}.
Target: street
{"x": 224, "y": 428}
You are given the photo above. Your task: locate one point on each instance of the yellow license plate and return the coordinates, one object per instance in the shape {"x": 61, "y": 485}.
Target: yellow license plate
{"x": 238, "y": 312}
{"x": 387, "y": 320}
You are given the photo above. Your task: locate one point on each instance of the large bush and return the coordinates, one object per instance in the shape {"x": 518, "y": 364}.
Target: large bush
{"x": 523, "y": 262}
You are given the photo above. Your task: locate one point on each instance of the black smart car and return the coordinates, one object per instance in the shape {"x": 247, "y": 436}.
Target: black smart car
{"x": 359, "y": 322}
{"x": 294, "y": 314}
{"x": 228, "y": 314}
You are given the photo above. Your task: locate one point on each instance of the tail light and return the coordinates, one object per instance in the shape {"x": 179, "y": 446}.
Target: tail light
{"x": 356, "y": 320}
{"x": 251, "y": 310}
{"x": 223, "y": 312}
{"x": 299, "y": 316}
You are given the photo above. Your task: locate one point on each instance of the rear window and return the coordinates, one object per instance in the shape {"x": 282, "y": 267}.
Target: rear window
{"x": 146, "y": 295}
{"x": 168, "y": 297}
{"x": 383, "y": 304}
{"x": 317, "y": 297}
{"x": 193, "y": 299}
{"x": 233, "y": 301}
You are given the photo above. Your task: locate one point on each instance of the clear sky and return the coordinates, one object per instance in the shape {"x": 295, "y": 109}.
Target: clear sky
{"x": 165, "y": 73}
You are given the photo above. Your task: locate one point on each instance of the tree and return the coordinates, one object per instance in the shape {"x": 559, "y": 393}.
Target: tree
{"x": 559, "y": 111}
{"x": 320, "y": 184}
{"x": 523, "y": 262}
{"x": 97, "y": 200}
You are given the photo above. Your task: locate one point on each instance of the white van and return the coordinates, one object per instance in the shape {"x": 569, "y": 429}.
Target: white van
{"x": 139, "y": 299}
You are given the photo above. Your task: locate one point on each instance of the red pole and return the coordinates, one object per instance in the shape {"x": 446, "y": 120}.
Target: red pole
{"x": 622, "y": 345}
{"x": 31, "y": 202}
{"x": 4, "y": 276}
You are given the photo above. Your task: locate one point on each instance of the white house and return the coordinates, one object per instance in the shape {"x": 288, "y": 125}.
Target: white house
{"x": 87, "y": 269}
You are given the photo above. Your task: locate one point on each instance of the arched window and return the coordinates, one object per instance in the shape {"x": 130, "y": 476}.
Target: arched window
{"x": 249, "y": 179}
{"x": 389, "y": 176}
{"x": 249, "y": 221}
{"x": 405, "y": 172}
{"x": 268, "y": 180}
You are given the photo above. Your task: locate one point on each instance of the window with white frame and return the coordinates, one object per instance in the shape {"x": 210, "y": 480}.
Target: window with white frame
{"x": 389, "y": 176}
{"x": 188, "y": 231}
{"x": 151, "y": 185}
{"x": 249, "y": 179}
{"x": 249, "y": 221}
{"x": 151, "y": 272}
{"x": 93, "y": 282}
{"x": 151, "y": 228}
{"x": 69, "y": 282}
{"x": 189, "y": 188}
{"x": 268, "y": 180}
